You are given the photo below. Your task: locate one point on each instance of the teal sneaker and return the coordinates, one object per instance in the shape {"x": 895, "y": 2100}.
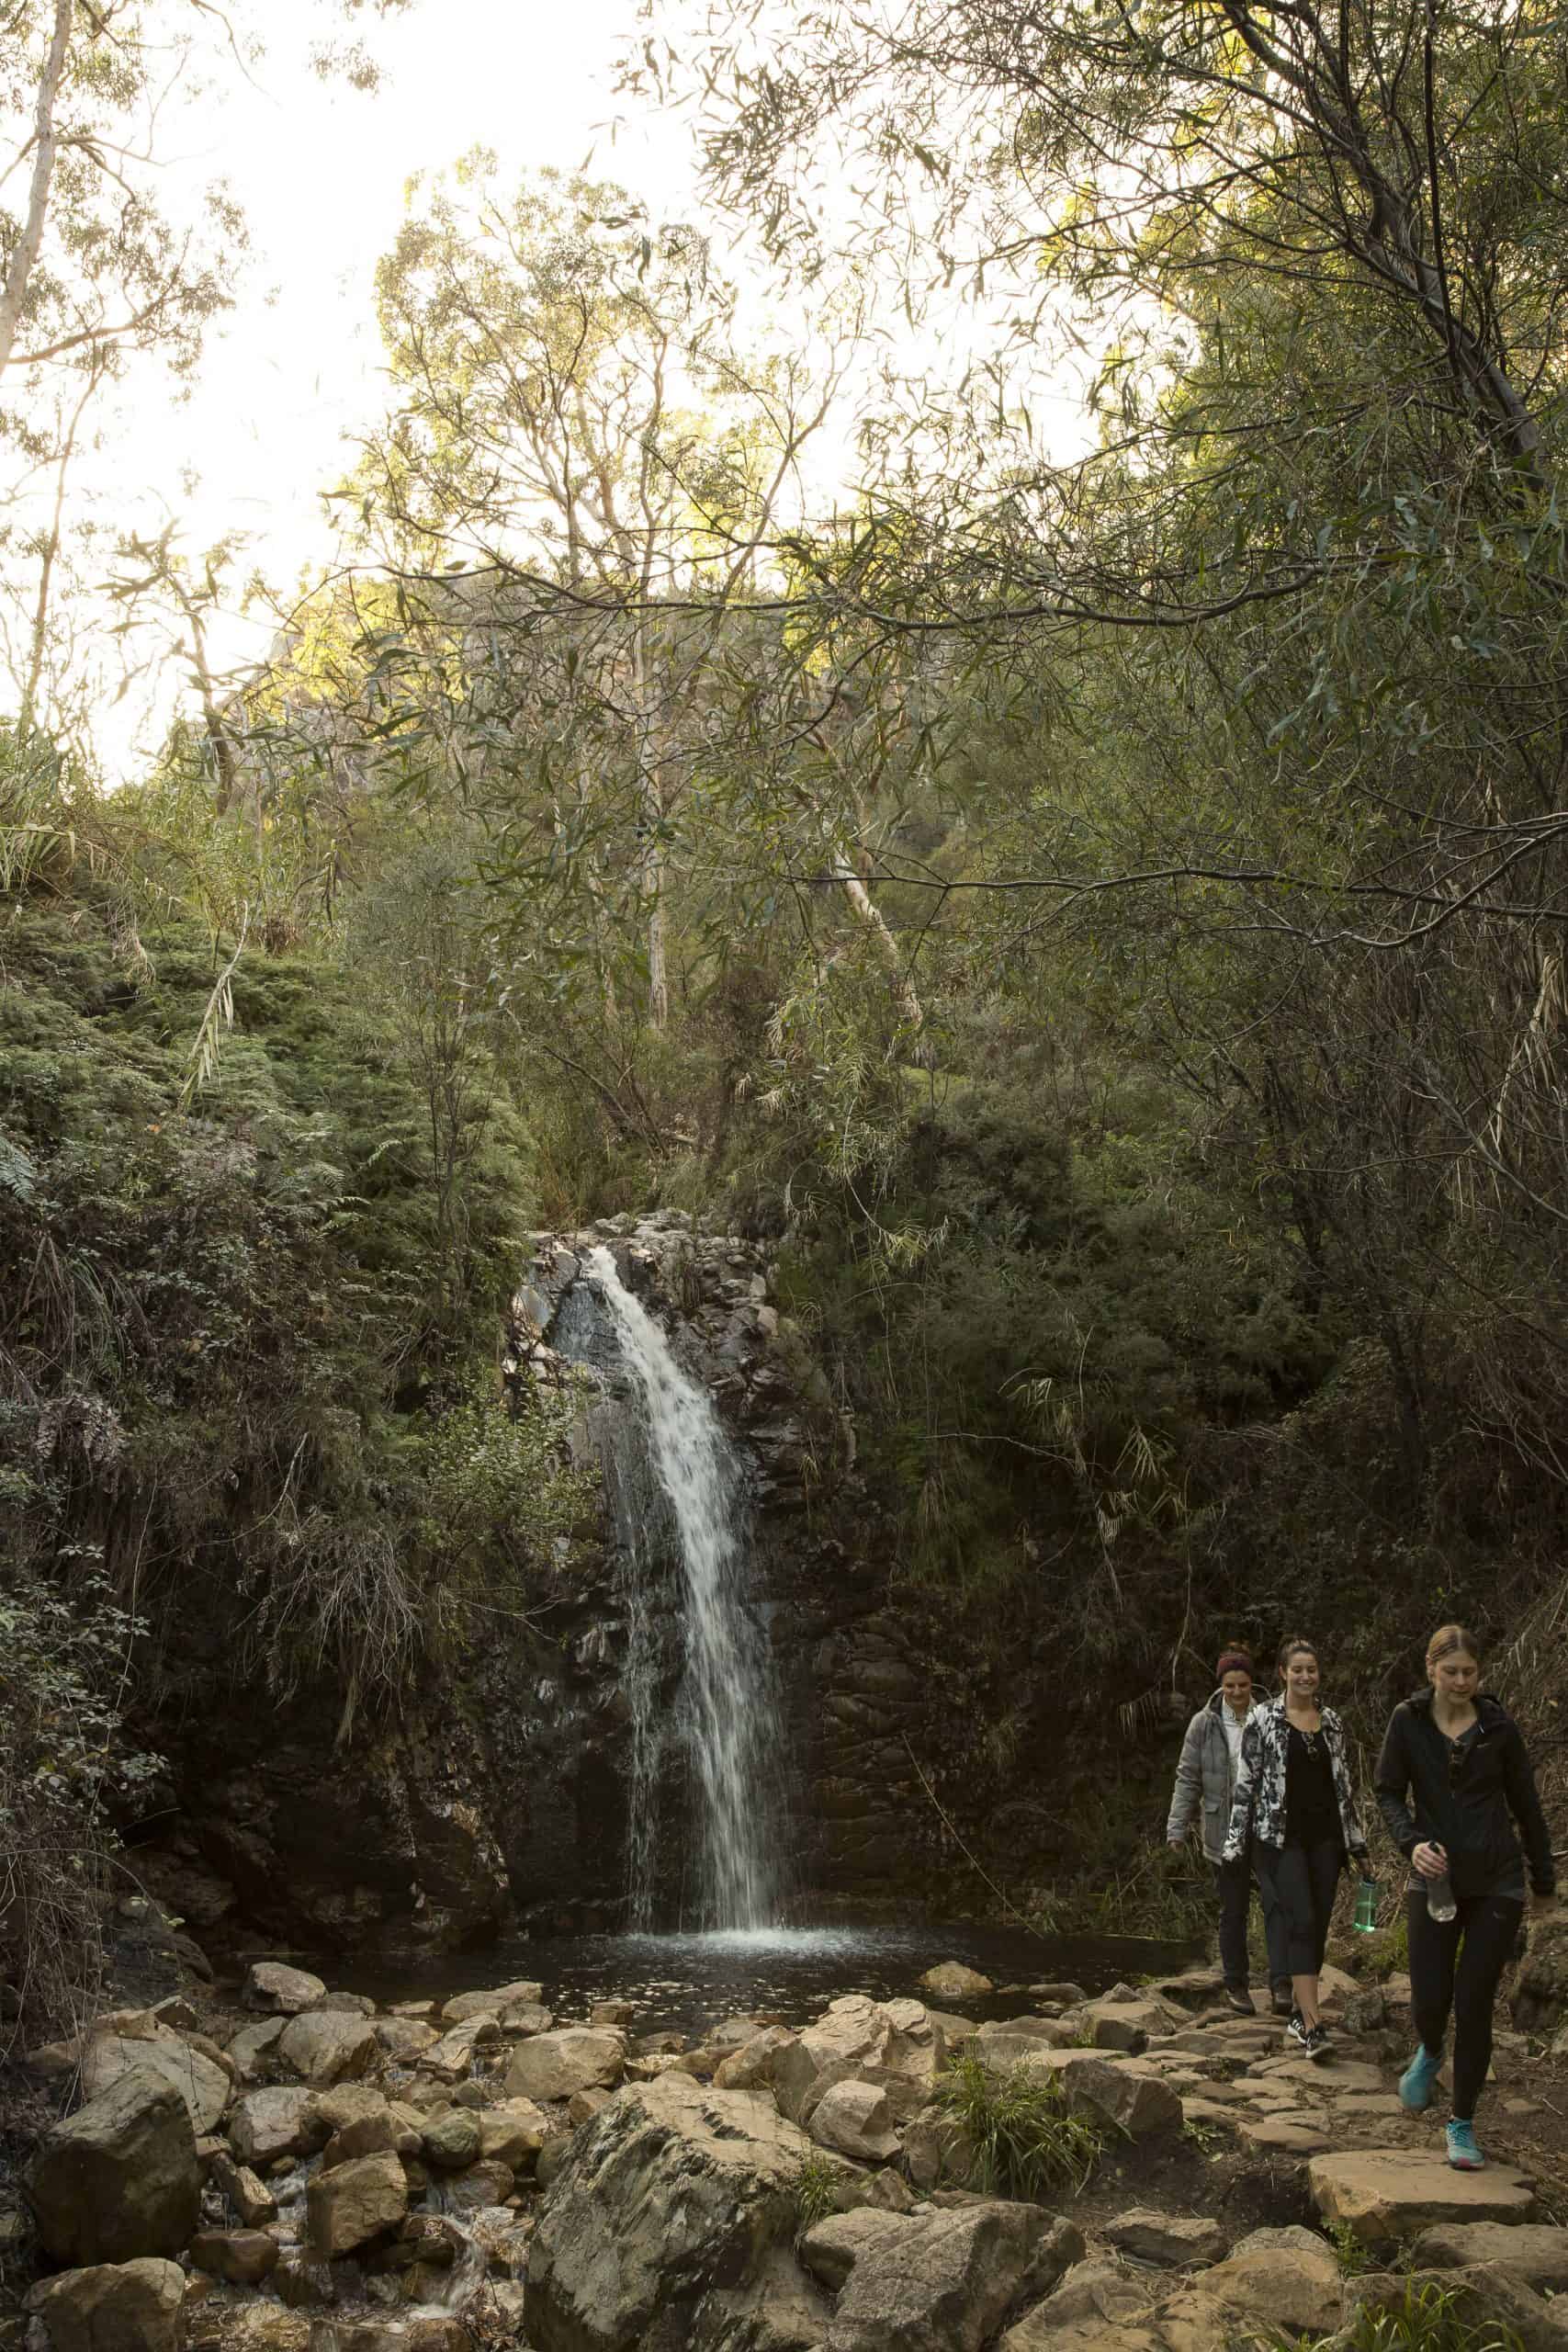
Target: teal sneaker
{"x": 1415, "y": 2083}
{"x": 1464, "y": 2154}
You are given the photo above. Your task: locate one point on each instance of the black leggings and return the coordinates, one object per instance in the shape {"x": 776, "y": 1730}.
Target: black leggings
{"x": 1302, "y": 1880}
{"x": 1457, "y": 1963}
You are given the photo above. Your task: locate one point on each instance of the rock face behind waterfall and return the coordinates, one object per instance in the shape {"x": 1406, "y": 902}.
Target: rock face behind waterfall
{"x": 843, "y": 1685}
{"x": 505, "y": 1783}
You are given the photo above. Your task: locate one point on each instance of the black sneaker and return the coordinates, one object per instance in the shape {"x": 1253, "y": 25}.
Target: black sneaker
{"x": 1282, "y": 2000}
{"x": 1296, "y": 2031}
{"x": 1316, "y": 2042}
{"x": 1238, "y": 1998}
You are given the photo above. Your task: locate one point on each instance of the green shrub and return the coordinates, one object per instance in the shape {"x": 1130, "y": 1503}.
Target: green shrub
{"x": 1026, "y": 2142}
{"x": 816, "y": 2185}
{"x": 1426, "y": 2319}
{"x": 1352, "y": 2254}
{"x": 63, "y": 1762}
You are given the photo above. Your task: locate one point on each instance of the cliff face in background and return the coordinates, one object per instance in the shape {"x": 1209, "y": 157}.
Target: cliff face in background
{"x": 501, "y": 1790}
{"x": 501, "y": 1785}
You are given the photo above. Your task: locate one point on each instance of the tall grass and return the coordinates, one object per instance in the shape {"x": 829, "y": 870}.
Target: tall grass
{"x": 1026, "y": 2142}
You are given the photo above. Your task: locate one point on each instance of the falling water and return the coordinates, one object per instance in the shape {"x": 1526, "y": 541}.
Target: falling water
{"x": 724, "y": 1712}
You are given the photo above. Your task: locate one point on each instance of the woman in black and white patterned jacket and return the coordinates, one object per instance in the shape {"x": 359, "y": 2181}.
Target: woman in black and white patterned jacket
{"x": 1294, "y": 1797}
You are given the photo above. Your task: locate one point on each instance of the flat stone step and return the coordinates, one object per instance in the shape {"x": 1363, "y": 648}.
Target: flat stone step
{"x": 1389, "y": 2194}
{"x": 1333, "y": 2074}
{"x": 1286, "y": 2135}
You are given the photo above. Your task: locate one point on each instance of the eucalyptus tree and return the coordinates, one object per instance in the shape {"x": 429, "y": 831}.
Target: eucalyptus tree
{"x": 579, "y": 431}
{"x": 1296, "y": 613}
{"x": 109, "y": 276}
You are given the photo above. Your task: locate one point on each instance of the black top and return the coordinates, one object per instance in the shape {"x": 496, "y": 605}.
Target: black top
{"x": 1312, "y": 1810}
{"x": 1465, "y": 1795}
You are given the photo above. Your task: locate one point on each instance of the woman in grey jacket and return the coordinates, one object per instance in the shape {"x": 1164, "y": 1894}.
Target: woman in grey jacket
{"x": 1205, "y": 1778}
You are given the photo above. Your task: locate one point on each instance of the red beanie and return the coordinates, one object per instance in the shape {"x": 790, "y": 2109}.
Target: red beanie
{"x": 1231, "y": 1662}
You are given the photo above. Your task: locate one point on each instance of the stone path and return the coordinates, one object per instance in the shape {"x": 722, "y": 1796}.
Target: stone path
{"x": 1236, "y": 2076}
{"x": 340, "y": 2179}
{"x": 1376, "y": 2175}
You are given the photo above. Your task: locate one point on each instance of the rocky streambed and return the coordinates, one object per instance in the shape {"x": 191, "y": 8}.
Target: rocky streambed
{"x": 310, "y": 2172}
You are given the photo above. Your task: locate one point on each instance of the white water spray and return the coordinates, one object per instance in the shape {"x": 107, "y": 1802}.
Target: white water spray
{"x": 725, "y": 1713}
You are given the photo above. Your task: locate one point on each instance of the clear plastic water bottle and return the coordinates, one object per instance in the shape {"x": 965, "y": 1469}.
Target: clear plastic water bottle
{"x": 1440, "y": 1903}
{"x": 1366, "y": 1918}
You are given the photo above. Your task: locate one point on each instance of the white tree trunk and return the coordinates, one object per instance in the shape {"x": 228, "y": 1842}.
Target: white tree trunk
{"x": 25, "y": 253}
{"x": 869, "y": 915}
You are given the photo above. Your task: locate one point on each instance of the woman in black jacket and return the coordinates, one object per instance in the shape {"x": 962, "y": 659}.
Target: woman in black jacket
{"x": 1452, "y": 1780}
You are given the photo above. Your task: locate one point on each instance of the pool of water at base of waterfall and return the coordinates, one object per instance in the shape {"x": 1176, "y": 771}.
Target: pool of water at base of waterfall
{"x": 683, "y": 1982}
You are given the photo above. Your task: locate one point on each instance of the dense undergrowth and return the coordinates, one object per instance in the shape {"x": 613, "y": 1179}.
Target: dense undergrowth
{"x": 247, "y": 1382}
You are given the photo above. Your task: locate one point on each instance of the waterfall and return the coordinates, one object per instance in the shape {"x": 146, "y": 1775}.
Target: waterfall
{"x": 724, "y": 1714}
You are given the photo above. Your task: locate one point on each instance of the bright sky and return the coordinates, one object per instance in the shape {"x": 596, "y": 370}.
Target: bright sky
{"x": 320, "y": 170}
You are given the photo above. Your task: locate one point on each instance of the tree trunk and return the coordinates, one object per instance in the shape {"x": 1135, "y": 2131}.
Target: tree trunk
{"x": 652, "y": 754}
{"x": 869, "y": 915}
{"x": 27, "y": 716}
{"x": 25, "y": 253}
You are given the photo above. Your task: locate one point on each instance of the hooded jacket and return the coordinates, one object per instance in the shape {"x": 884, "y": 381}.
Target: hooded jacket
{"x": 1470, "y": 1813}
{"x": 1258, "y": 1809}
{"x": 1206, "y": 1773}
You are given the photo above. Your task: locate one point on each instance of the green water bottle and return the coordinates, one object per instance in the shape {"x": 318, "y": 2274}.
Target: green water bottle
{"x": 1366, "y": 1918}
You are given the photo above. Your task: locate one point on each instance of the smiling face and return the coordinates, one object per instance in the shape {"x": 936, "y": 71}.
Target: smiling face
{"x": 1237, "y": 1688}
{"x": 1456, "y": 1676}
{"x": 1300, "y": 1678}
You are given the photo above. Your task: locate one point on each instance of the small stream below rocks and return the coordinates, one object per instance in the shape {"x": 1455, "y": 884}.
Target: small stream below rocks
{"x": 679, "y": 1984}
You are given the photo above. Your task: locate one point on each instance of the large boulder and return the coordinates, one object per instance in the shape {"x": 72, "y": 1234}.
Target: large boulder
{"x": 355, "y": 2202}
{"x": 273, "y": 2123}
{"x": 113, "y": 2307}
{"x": 241, "y": 2257}
{"x": 328, "y": 2045}
{"x": 254, "y": 2048}
{"x": 451, "y": 2060}
{"x": 450, "y": 2138}
{"x": 405, "y": 2039}
{"x": 672, "y": 2191}
{"x": 855, "y": 2120}
{"x": 832, "y": 2247}
{"x": 119, "y": 2179}
{"x": 1490, "y": 2305}
{"x": 1287, "y": 2292}
{"x": 780, "y": 2309}
{"x": 944, "y": 2281}
{"x": 478, "y": 2186}
{"x": 938, "y": 2150}
{"x": 239, "y": 2188}
{"x": 748, "y": 2068}
{"x": 1170, "y": 2241}
{"x": 1270, "y": 2294}
{"x": 895, "y": 2044}
{"x": 281, "y": 1991}
{"x": 464, "y": 2005}
{"x": 512, "y": 2132}
{"x": 1128, "y": 2096}
{"x": 1388, "y": 2195}
{"x": 162, "y": 2058}
{"x": 1528, "y": 2250}
{"x": 1012, "y": 2042}
{"x": 1089, "y": 2292}
{"x": 1128, "y": 2023}
{"x": 553, "y": 2066}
